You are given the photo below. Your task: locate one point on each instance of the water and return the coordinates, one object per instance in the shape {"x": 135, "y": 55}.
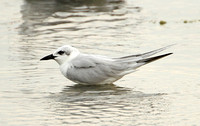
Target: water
{"x": 165, "y": 92}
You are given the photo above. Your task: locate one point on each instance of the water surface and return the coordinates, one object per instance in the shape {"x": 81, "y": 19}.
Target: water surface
{"x": 165, "y": 92}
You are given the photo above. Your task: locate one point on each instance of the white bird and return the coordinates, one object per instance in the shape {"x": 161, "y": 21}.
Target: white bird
{"x": 96, "y": 69}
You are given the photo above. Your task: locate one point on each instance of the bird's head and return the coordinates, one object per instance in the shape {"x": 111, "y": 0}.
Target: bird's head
{"x": 63, "y": 54}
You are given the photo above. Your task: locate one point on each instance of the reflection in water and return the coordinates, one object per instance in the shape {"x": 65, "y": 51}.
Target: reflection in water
{"x": 36, "y": 11}
{"x": 105, "y": 104}
{"x": 78, "y": 90}
{"x": 93, "y": 90}
{"x": 59, "y": 22}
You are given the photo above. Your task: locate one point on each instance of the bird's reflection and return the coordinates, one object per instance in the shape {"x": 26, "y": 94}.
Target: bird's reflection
{"x": 80, "y": 92}
{"x": 93, "y": 91}
{"x": 97, "y": 101}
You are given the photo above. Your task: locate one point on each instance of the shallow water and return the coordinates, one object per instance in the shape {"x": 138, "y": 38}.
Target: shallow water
{"x": 165, "y": 92}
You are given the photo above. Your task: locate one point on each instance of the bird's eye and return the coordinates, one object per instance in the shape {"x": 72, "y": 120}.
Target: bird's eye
{"x": 61, "y": 52}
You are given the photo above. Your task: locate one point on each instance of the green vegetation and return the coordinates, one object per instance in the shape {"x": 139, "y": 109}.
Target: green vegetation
{"x": 190, "y": 21}
{"x": 162, "y": 22}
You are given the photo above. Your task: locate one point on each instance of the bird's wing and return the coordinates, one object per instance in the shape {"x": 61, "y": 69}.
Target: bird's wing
{"x": 135, "y": 61}
{"x": 83, "y": 61}
{"x": 93, "y": 69}
{"x": 144, "y": 55}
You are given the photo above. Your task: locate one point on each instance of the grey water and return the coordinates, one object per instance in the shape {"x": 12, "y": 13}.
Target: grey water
{"x": 165, "y": 92}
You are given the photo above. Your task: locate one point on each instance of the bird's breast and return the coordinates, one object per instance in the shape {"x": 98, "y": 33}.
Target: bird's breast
{"x": 64, "y": 68}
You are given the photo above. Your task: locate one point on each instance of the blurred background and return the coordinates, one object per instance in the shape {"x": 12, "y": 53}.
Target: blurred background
{"x": 165, "y": 92}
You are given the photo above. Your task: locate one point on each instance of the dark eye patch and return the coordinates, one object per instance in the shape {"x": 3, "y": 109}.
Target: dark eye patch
{"x": 61, "y": 52}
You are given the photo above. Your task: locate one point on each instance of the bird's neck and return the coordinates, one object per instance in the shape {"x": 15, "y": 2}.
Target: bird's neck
{"x": 73, "y": 55}
{"x": 67, "y": 64}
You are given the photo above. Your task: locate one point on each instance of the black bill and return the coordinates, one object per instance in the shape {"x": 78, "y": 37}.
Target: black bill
{"x": 48, "y": 57}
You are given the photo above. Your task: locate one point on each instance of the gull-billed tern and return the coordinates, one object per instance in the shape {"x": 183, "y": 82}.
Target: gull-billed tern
{"x": 96, "y": 69}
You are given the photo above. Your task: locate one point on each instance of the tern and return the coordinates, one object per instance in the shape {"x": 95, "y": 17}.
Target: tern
{"x": 92, "y": 69}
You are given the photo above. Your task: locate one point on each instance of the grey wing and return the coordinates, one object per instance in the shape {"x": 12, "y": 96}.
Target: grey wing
{"x": 135, "y": 61}
{"x": 93, "y": 69}
{"x": 143, "y": 55}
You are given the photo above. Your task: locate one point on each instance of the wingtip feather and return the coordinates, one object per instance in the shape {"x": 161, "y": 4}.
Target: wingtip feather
{"x": 151, "y": 59}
